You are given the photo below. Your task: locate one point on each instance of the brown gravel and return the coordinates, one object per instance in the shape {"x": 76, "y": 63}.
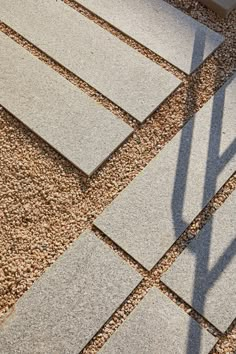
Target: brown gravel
{"x": 46, "y": 202}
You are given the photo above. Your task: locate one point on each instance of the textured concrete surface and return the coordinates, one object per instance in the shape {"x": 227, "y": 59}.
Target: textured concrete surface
{"x": 158, "y": 325}
{"x": 222, "y": 7}
{"x": 157, "y": 206}
{"x": 70, "y": 302}
{"x": 205, "y": 273}
{"x": 79, "y": 128}
{"x": 122, "y": 74}
{"x": 154, "y": 23}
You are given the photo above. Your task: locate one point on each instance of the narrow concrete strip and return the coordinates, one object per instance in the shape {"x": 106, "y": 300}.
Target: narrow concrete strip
{"x": 119, "y": 72}
{"x": 73, "y": 123}
{"x": 176, "y": 37}
{"x": 65, "y": 308}
{"x": 158, "y": 205}
{"x": 222, "y": 7}
{"x": 158, "y": 325}
{"x": 205, "y": 274}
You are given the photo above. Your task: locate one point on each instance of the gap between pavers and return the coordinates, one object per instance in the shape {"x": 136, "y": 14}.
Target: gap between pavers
{"x": 70, "y": 302}
{"x": 119, "y": 72}
{"x": 158, "y": 205}
{"x": 70, "y": 121}
{"x": 157, "y": 325}
{"x": 204, "y": 275}
{"x": 160, "y": 27}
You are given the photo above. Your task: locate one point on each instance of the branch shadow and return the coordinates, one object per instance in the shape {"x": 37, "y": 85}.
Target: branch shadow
{"x": 215, "y": 164}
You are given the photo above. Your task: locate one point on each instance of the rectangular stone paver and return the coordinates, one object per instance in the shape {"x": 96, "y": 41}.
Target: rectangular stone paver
{"x": 158, "y": 325}
{"x": 119, "y": 72}
{"x": 70, "y": 302}
{"x": 73, "y": 123}
{"x": 160, "y": 27}
{"x": 205, "y": 273}
{"x": 158, "y": 205}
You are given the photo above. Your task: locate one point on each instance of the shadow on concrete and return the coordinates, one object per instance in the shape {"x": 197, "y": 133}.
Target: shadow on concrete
{"x": 215, "y": 163}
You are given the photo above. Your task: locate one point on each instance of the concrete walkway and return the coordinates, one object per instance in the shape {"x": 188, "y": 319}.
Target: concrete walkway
{"x": 108, "y": 276}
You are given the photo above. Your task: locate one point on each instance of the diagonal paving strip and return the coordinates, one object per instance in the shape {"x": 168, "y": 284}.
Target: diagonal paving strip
{"x": 73, "y": 123}
{"x": 119, "y": 72}
{"x": 65, "y": 308}
{"x": 158, "y": 205}
{"x": 205, "y": 273}
{"x": 158, "y": 325}
{"x": 160, "y": 27}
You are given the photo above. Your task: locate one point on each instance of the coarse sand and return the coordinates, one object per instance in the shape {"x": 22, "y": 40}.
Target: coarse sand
{"x": 46, "y": 203}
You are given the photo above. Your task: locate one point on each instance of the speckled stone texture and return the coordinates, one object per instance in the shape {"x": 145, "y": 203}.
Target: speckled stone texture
{"x": 158, "y": 205}
{"x": 222, "y": 7}
{"x": 158, "y": 325}
{"x": 66, "y": 118}
{"x": 70, "y": 302}
{"x": 119, "y": 72}
{"x": 205, "y": 274}
{"x": 160, "y": 27}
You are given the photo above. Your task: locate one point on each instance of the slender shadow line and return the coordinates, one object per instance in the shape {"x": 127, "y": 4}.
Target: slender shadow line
{"x": 203, "y": 278}
{"x": 177, "y": 203}
{"x": 202, "y": 256}
{"x": 222, "y": 263}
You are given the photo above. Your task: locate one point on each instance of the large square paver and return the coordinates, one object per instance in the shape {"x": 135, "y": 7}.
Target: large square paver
{"x": 158, "y": 325}
{"x": 65, "y": 308}
{"x": 119, "y": 72}
{"x": 73, "y": 123}
{"x": 160, "y": 27}
{"x": 205, "y": 273}
{"x": 157, "y": 206}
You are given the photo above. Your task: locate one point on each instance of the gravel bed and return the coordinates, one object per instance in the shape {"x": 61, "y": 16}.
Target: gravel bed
{"x": 46, "y": 202}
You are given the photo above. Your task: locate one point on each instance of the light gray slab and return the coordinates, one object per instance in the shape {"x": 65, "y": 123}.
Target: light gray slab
{"x": 205, "y": 273}
{"x": 158, "y": 205}
{"x": 70, "y": 302}
{"x": 158, "y": 325}
{"x": 73, "y": 123}
{"x": 119, "y": 72}
{"x": 160, "y": 27}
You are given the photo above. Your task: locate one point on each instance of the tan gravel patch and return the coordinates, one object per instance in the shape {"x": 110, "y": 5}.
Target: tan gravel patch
{"x": 46, "y": 203}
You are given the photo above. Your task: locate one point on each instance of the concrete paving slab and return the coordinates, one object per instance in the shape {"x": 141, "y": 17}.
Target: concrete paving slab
{"x": 66, "y": 118}
{"x": 170, "y": 33}
{"x": 158, "y": 205}
{"x": 119, "y": 72}
{"x": 205, "y": 273}
{"x": 222, "y": 7}
{"x": 70, "y": 302}
{"x": 158, "y": 325}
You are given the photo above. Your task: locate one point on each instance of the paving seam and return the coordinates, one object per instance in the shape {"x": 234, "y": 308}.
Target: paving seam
{"x": 203, "y": 321}
{"x": 150, "y": 279}
{"x": 71, "y": 77}
{"x": 122, "y": 253}
{"x": 134, "y": 291}
{"x": 89, "y": 90}
{"x": 75, "y": 80}
{"x": 172, "y": 134}
{"x": 186, "y": 237}
{"x": 126, "y": 308}
{"x": 148, "y": 53}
